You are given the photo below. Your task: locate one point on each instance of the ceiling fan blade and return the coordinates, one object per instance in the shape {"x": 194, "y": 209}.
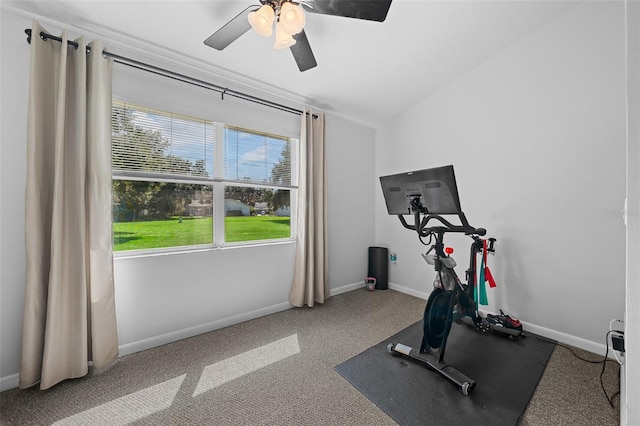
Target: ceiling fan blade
{"x": 371, "y": 10}
{"x": 231, "y": 31}
{"x": 302, "y": 52}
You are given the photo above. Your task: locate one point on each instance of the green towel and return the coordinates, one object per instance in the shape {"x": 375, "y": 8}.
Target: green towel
{"x": 482, "y": 286}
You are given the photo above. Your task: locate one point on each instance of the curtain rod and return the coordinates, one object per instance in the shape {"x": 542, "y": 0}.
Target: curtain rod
{"x": 174, "y": 75}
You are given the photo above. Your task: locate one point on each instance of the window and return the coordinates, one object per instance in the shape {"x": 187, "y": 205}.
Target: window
{"x": 180, "y": 181}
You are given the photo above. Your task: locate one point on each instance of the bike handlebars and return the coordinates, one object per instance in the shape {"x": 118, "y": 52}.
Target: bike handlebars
{"x": 424, "y": 231}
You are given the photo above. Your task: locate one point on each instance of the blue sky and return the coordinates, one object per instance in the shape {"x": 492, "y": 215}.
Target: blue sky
{"x": 250, "y": 155}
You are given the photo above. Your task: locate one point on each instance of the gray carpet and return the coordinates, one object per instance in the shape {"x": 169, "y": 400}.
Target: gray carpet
{"x": 196, "y": 381}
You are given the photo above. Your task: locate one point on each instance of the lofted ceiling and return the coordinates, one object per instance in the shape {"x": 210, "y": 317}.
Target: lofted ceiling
{"x": 368, "y": 71}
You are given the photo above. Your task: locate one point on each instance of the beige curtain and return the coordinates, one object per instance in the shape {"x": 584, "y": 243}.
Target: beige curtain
{"x": 310, "y": 277}
{"x": 69, "y": 307}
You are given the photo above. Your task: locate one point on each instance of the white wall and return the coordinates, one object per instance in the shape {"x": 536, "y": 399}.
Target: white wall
{"x": 13, "y": 93}
{"x": 350, "y": 171}
{"x": 630, "y": 380}
{"x": 537, "y": 139}
{"x": 163, "y": 298}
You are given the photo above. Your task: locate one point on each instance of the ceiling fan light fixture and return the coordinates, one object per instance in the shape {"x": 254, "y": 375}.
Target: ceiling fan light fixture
{"x": 283, "y": 38}
{"x": 292, "y": 18}
{"x": 262, "y": 20}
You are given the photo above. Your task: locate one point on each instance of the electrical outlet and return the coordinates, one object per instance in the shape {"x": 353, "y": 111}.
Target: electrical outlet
{"x": 617, "y": 341}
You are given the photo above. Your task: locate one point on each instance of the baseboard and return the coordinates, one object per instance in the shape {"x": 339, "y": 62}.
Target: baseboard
{"x": 567, "y": 339}
{"x": 173, "y": 336}
{"x": 624, "y": 421}
{"x": 185, "y": 333}
{"x": 345, "y": 288}
{"x": 392, "y": 286}
{"x": 9, "y": 382}
{"x": 406, "y": 290}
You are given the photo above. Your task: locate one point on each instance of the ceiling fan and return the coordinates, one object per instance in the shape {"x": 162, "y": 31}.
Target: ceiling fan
{"x": 288, "y": 18}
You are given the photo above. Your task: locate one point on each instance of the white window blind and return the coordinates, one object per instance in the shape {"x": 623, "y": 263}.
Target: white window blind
{"x": 148, "y": 141}
{"x": 256, "y": 157}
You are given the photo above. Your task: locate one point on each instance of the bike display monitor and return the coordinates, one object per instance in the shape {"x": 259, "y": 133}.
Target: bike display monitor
{"x": 434, "y": 191}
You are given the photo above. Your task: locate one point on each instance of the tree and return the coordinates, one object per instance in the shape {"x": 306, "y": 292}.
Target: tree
{"x": 281, "y": 174}
{"x": 281, "y": 199}
{"x": 248, "y": 195}
{"x": 198, "y": 169}
{"x": 136, "y": 148}
{"x": 134, "y": 197}
{"x": 147, "y": 147}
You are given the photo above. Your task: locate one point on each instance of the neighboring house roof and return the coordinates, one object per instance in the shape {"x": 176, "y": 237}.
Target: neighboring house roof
{"x": 235, "y": 203}
{"x": 196, "y": 203}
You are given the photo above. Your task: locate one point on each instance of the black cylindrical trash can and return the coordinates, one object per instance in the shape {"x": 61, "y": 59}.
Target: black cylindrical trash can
{"x": 379, "y": 266}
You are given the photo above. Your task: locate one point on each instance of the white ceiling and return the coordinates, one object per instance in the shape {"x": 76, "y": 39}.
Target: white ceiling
{"x": 368, "y": 71}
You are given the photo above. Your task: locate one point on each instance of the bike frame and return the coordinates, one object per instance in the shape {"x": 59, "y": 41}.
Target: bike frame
{"x": 461, "y": 296}
{"x": 426, "y": 195}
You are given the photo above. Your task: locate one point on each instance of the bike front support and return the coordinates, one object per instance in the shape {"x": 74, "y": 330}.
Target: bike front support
{"x": 455, "y": 376}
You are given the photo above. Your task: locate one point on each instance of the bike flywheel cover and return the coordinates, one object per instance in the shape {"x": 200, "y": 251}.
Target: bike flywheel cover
{"x": 435, "y": 317}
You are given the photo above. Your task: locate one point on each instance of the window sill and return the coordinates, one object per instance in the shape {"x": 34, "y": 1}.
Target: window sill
{"x": 134, "y": 254}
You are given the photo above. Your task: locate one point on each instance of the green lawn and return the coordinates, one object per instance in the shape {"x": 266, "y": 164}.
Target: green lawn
{"x": 193, "y": 231}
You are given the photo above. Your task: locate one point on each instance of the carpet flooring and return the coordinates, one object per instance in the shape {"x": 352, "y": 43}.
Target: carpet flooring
{"x": 279, "y": 370}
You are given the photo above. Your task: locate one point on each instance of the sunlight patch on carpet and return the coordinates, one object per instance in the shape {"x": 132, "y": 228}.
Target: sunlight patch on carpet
{"x": 222, "y": 372}
{"x": 129, "y": 408}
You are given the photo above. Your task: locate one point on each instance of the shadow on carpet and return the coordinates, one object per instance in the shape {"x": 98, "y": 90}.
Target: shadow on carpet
{"x": 506, "y": 373}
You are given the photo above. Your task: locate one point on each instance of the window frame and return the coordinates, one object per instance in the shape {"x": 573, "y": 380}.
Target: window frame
{"x": 218, "y": 185}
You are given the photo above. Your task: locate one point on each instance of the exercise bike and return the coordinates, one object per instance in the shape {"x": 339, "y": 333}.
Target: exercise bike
{"x": 427, "y": 195}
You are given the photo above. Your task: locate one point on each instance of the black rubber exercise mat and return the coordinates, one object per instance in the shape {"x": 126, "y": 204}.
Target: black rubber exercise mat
{"x": 506, "y": 372}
